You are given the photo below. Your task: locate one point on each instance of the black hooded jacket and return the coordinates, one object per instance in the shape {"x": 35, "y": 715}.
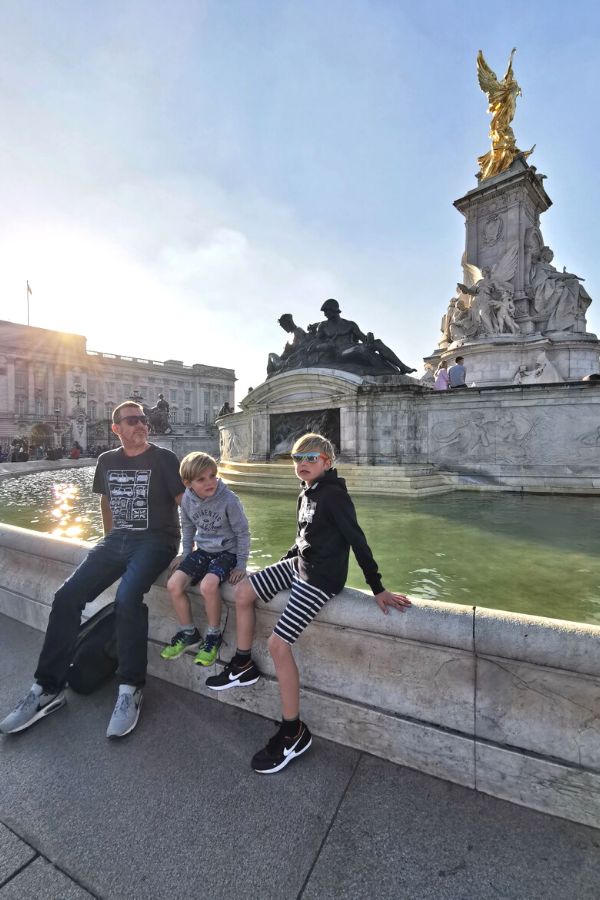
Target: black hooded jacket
{"x": 327, "y": 528}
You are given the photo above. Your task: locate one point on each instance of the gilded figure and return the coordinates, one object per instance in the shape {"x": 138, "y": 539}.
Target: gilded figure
{"x": 502, "y": 98}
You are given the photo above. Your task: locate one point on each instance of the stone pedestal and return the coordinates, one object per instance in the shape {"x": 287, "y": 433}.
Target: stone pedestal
{"x": 546, "y": 307}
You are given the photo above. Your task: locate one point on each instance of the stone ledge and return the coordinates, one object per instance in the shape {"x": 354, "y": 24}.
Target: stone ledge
{"x": 502, "y": 702}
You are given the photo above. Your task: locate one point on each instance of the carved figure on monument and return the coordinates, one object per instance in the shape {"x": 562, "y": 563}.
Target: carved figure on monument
{"x": 557, "y": 296}
{"x": 446, "y": 323}
{"x": 502, "y": 98}
{"x": 491, "y": 307}
{"x": 462, "y": 325}
{"x": 428, "y": 377}
{"x": 336, "y": 342}
{"x": 505, "y": 314}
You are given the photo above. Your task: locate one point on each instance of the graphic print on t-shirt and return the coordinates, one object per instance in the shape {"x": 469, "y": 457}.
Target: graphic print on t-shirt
{"x": 128, "y": 497}
{"x": 307, "y": 511}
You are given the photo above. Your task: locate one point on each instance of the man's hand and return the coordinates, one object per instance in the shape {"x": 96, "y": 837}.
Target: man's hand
{"x": 387, "y": 598}
{"x": 236, "y": 575}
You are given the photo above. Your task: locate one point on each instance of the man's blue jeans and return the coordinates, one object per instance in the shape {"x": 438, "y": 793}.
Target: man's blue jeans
{"x": 137, "y": 559}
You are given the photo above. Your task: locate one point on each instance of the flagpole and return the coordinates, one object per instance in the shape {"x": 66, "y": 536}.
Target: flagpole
{"x": 28, "y": 293}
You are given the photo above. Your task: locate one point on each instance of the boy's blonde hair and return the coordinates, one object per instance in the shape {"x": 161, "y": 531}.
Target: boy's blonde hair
{"x": 194, "y": 464}
{"x": 312, "y": 441}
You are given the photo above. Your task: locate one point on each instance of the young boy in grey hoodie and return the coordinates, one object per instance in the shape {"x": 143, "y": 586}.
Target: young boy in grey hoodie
{"x": 212, "y": 518}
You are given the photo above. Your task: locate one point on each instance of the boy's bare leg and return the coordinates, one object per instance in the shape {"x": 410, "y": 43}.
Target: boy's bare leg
{"x": 245, "y": 597}
{"x": 287, "y": 676}
{"x": 209, "y": 587}
{"x": 176, "y": 586}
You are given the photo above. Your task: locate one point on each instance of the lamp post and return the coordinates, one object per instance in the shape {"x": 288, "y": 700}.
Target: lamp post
{"x": 137, "y": 397}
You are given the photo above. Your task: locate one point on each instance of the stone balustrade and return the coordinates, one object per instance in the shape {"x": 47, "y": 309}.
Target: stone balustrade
{"x": 503, "y": 703}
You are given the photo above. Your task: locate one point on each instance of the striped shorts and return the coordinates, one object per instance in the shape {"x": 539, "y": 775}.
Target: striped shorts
{"x": 303, "y": 605}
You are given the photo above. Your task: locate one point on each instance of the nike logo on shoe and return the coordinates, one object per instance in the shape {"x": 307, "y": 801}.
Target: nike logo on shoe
{"x": 288, "y": 750}
{"x": 236, "y": 675}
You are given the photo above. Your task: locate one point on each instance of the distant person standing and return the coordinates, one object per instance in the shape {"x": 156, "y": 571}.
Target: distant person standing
{"x": 441, "y": 377}
{"x": 457, "y": 374}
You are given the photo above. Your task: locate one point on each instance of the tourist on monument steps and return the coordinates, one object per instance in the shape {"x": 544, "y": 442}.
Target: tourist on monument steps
{"x": 457, "y": 373}
{"x": 315, "y": 569}
{"x": 140, "y": 489}
{"x": 442, "y": 380}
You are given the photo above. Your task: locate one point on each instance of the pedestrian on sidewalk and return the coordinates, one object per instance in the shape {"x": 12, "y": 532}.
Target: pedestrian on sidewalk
{"x": 315, "y": 569}
{"x": 140, "y": 489}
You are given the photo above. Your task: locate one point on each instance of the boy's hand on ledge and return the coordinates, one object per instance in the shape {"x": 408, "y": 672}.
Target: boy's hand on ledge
{"x": 174, "y": 563}
{"x": 387, "y": 598}
{"x": 236, "y": 575}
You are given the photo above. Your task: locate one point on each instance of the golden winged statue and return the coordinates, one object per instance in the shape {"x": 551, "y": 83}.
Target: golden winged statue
{"x": 502, "y": 98}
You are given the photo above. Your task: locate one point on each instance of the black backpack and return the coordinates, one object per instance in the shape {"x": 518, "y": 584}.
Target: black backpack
{"x": 95, "y": 657}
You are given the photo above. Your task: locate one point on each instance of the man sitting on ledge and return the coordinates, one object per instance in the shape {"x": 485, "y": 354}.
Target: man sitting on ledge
{"x": 140, "y": 488}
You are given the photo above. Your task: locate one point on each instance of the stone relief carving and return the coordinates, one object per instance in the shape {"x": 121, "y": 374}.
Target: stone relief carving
{"x": 590, "y": 438}
{"x": 543, "y": 372}
{"x": 484, "y": 434}
{"x": 493, "y": 230}
{"x": 235, "y": 442}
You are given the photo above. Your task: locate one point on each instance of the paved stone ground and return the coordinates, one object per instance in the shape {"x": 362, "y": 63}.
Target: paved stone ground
{"x": 174, "y": 811}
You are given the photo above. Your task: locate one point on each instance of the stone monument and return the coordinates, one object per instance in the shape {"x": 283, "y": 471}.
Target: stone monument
{"x": 514, "y": 317}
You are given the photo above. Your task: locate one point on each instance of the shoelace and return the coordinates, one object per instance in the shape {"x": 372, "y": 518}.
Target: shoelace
{"x": 210, "y": 641}
{"x": 123, "y": 702}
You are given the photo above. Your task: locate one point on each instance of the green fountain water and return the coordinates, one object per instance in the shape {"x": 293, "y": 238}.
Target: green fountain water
{"x": 524, "y": 553}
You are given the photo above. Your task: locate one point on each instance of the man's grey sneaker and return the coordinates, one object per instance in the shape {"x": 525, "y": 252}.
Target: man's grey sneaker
{"x": 30, "y": 709}
{"x": 281, "y": 750}
{"x": 125, "y": 714}
{"x": 234, "y": 676}
{"x": 182, "y": 641}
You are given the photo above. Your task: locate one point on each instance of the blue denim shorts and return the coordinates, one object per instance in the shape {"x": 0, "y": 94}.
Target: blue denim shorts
{"x": 198, "y": 563}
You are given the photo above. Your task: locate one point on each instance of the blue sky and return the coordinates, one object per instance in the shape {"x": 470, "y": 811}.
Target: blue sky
{"x": 177, "y": 175}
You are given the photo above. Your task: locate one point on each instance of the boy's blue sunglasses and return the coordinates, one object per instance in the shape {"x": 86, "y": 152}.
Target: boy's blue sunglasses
{"x": 310, "y": 456}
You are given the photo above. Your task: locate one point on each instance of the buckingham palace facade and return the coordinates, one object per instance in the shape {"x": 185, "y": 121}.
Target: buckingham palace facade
{"x": 48, "y": 378}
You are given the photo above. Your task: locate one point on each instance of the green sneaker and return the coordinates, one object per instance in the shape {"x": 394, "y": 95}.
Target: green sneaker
{"x": 180, "y": 643}
{"x": 209, "y": 650}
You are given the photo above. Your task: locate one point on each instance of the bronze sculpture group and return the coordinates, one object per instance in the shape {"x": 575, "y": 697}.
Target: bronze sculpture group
{"x": 334, "y": 343}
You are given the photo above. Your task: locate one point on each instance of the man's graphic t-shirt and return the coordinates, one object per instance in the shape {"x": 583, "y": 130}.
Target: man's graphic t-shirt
{"x": 141, "y": 490}
{"x": 128, "y": 497}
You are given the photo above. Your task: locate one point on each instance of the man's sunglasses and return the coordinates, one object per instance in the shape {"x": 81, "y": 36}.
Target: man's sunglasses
{"x": 310, "y": 456}
{"x": 133, "y": 420}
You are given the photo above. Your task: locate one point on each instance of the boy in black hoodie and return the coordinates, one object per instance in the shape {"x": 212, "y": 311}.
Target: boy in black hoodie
{"x": 314, "y": 569}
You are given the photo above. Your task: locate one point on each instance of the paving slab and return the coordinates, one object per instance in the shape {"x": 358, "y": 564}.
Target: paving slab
{"x": 14, "y": 853}
{"x": 170, "y": 810}
{"x": 402, "y": 834}
{"x": 174, "y": 810}
{"x": 42, "y": 881}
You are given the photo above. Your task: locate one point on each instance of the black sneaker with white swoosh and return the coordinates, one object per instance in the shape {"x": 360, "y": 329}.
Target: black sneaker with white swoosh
{"x": 281, "y": 750}
{"x": 234, "y": 676}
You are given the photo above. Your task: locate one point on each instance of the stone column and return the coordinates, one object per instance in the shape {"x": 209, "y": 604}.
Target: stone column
{"x": 500, "y": 213}
{"x": 31, "y": 390}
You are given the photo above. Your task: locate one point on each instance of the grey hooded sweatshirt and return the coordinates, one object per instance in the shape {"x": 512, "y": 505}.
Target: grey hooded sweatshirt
{"x": 215, "y": 524}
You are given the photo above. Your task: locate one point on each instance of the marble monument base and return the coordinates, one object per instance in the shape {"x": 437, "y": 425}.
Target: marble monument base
{"x": 524, "y": 359}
